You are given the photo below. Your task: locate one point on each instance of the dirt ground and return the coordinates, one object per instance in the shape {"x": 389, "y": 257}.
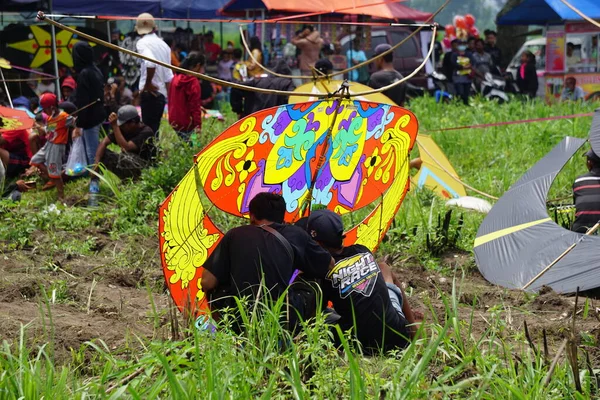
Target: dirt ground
{"x": 118, "y": 294}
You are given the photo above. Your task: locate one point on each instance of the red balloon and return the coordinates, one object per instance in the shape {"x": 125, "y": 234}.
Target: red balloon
{"x": 470, "y": 20}
{"x": 460, "y": 22}
{"x": 450, "y": 30}
{"x": 473, "y": 31}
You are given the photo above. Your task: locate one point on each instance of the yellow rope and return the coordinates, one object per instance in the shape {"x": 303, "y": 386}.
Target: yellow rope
{"x": 362, "y": 64}
{"x": 42, "y": 17}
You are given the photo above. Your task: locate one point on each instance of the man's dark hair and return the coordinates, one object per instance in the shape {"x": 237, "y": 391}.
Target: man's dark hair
{"x": 571, "y": 45}
{"x": 489, "y": 32}
{"x": 309, "y": 27}
{"x": 389, "y": 57}
{"x": 193, "y": 59}
{"x": 237, "y": 53}
{"x": 471, "y": 39}
{"x": 268, "y": 206}
{"x": 479, "y": 41}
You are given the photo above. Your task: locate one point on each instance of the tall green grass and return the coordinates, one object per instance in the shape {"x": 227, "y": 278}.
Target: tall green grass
{"x": 447, "y": 361}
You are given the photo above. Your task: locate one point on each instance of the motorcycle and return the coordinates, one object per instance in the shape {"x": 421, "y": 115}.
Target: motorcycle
{"x": 440, "y": 91}
{"x": 495, "y": 88}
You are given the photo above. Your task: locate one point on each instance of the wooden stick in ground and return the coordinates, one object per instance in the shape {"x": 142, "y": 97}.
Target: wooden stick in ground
{"x": 529, "y": 340}
{"x": 573, "y": 348}
{"x": 590, "y": 231}
{"x": 554, "y": 362}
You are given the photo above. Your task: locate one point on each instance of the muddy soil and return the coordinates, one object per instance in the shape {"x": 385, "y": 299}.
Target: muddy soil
{"x": 116, "y": 294}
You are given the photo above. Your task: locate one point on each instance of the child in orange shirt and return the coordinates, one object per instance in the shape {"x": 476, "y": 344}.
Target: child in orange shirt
{"x": 49, "y": 159}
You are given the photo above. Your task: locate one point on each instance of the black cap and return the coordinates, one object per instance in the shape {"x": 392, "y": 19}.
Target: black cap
{"x": 67, "y": 107}
{"x": 326, "y": 227}
{"x": 324, "y": 65}
{"x": 593, "y": 157}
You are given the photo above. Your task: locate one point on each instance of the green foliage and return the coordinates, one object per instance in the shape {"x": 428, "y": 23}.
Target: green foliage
{"x": 265, "y": 361}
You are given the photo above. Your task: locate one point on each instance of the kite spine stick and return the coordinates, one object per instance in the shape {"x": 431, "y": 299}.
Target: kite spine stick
{"x": 6, "y": 89}
{"x": 590, "y": 231}
{"x": 581, "y": 14}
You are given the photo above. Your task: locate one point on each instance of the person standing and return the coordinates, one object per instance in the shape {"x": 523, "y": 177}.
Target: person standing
{"x": 356, "y": 56}
{"x": 309, "y": 42}
{"x": 90, "y": 89}
{"x": 482, "y": 61}
{"x": 527, "y": 79}
{"x": 253, "y": 68}
{"x": 154, "y": 79}
{"x": 211, "y": 49}
{"x": 491, "y": 48}
{"x": 386, "y": 75}
{"x": 185, "y": 109}
{"x": 463, "y": 71}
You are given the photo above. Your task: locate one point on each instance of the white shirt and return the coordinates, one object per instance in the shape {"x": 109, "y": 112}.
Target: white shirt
{"x": 154, "y": 47}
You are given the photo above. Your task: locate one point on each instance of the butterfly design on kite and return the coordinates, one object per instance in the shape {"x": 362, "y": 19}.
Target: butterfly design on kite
{"x": 344, "y": 155}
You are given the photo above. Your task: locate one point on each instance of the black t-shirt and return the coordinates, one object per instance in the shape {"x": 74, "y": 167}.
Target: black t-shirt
{"x": 380, "y": 79}
{"x": 248, "y": 253}
{"x": 359, "y": 294}
{"x": 143, "y": 140}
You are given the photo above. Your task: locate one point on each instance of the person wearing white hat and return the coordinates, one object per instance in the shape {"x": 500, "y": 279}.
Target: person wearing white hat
{"x": 154, "y": 79}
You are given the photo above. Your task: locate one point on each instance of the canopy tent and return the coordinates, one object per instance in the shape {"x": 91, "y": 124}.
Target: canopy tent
{"x": 542, "y": 12}
{"x": 191, "y": 8}
{"x": 391, "y": 11}
{"x": 125, "y": 8}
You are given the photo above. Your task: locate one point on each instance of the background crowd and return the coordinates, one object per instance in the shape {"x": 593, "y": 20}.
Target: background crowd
{"x": 96, "y": 96}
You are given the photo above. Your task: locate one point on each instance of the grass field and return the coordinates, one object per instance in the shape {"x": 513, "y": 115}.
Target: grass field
{"x": 84, "y": 312}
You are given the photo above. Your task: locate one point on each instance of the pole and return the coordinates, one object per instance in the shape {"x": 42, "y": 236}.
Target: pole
{"x": 221, "y": 33}
{"x": 108, "y": 33}
{"x": 590, "y": 231}
{"x": 262, "y": 28}
{"x": 6, "y": 89}
{"x": 54, "y": 56}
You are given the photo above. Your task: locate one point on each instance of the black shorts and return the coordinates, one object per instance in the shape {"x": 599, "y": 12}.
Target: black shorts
{"x": 17, "y": 164}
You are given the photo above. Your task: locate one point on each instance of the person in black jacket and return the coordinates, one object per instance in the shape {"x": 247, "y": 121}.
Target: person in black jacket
{"x": 527, "y": 79}
{"x": 245, "y": 102}
{"x": 90, "y": 89}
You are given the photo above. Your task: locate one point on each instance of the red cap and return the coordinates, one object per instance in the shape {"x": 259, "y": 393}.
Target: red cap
{"x": 70, "y": 83}
{"x": 48, "y": 100}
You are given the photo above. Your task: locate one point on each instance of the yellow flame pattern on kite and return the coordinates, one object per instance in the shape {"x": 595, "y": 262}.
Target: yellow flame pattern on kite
{"x": 186, "y": 239}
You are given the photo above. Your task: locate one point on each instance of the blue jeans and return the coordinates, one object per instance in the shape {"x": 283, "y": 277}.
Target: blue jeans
{"x": 91, "y": 140}
{"x": 396, "y": 298}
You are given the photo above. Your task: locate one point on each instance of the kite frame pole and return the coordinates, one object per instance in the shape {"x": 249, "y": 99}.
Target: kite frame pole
{"x": 6, "y": 89}
{"x": 590, "y": 231}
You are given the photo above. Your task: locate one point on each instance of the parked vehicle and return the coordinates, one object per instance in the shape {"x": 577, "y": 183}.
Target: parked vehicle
{"x": 406, "y": 57}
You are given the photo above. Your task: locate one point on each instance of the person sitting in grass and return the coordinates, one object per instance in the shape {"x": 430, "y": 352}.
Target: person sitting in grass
{"x": 49, "y": 159}
{"x": 366, "y": 294}
{"x": 266, "y": 252}
{"x": 586, "y": 195}
{"x": 135, "y": 139}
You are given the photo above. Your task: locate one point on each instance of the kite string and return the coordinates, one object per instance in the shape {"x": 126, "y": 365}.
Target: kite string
{"x": 231, "y": 20}
{"x": 42, "y": 17}
{"x": 359, "y": 65}
{"x": 515, "y": 122}
{"x": 456, "y": 178}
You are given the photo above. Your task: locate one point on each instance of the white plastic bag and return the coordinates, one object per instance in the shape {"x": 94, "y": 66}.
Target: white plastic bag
{"x": 77, "y": 160}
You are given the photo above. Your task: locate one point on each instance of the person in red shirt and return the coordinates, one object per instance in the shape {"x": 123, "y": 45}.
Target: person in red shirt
{"x": 15, "y": 152}
{"x": 185, "y": 109}
{"x": 49, "y": 159}
{"x": 211, "y": 49}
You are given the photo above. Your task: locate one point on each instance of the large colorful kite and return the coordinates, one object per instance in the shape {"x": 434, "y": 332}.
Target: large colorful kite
{"x": 436, "y": 172}
{"x": 344, "y": 155}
